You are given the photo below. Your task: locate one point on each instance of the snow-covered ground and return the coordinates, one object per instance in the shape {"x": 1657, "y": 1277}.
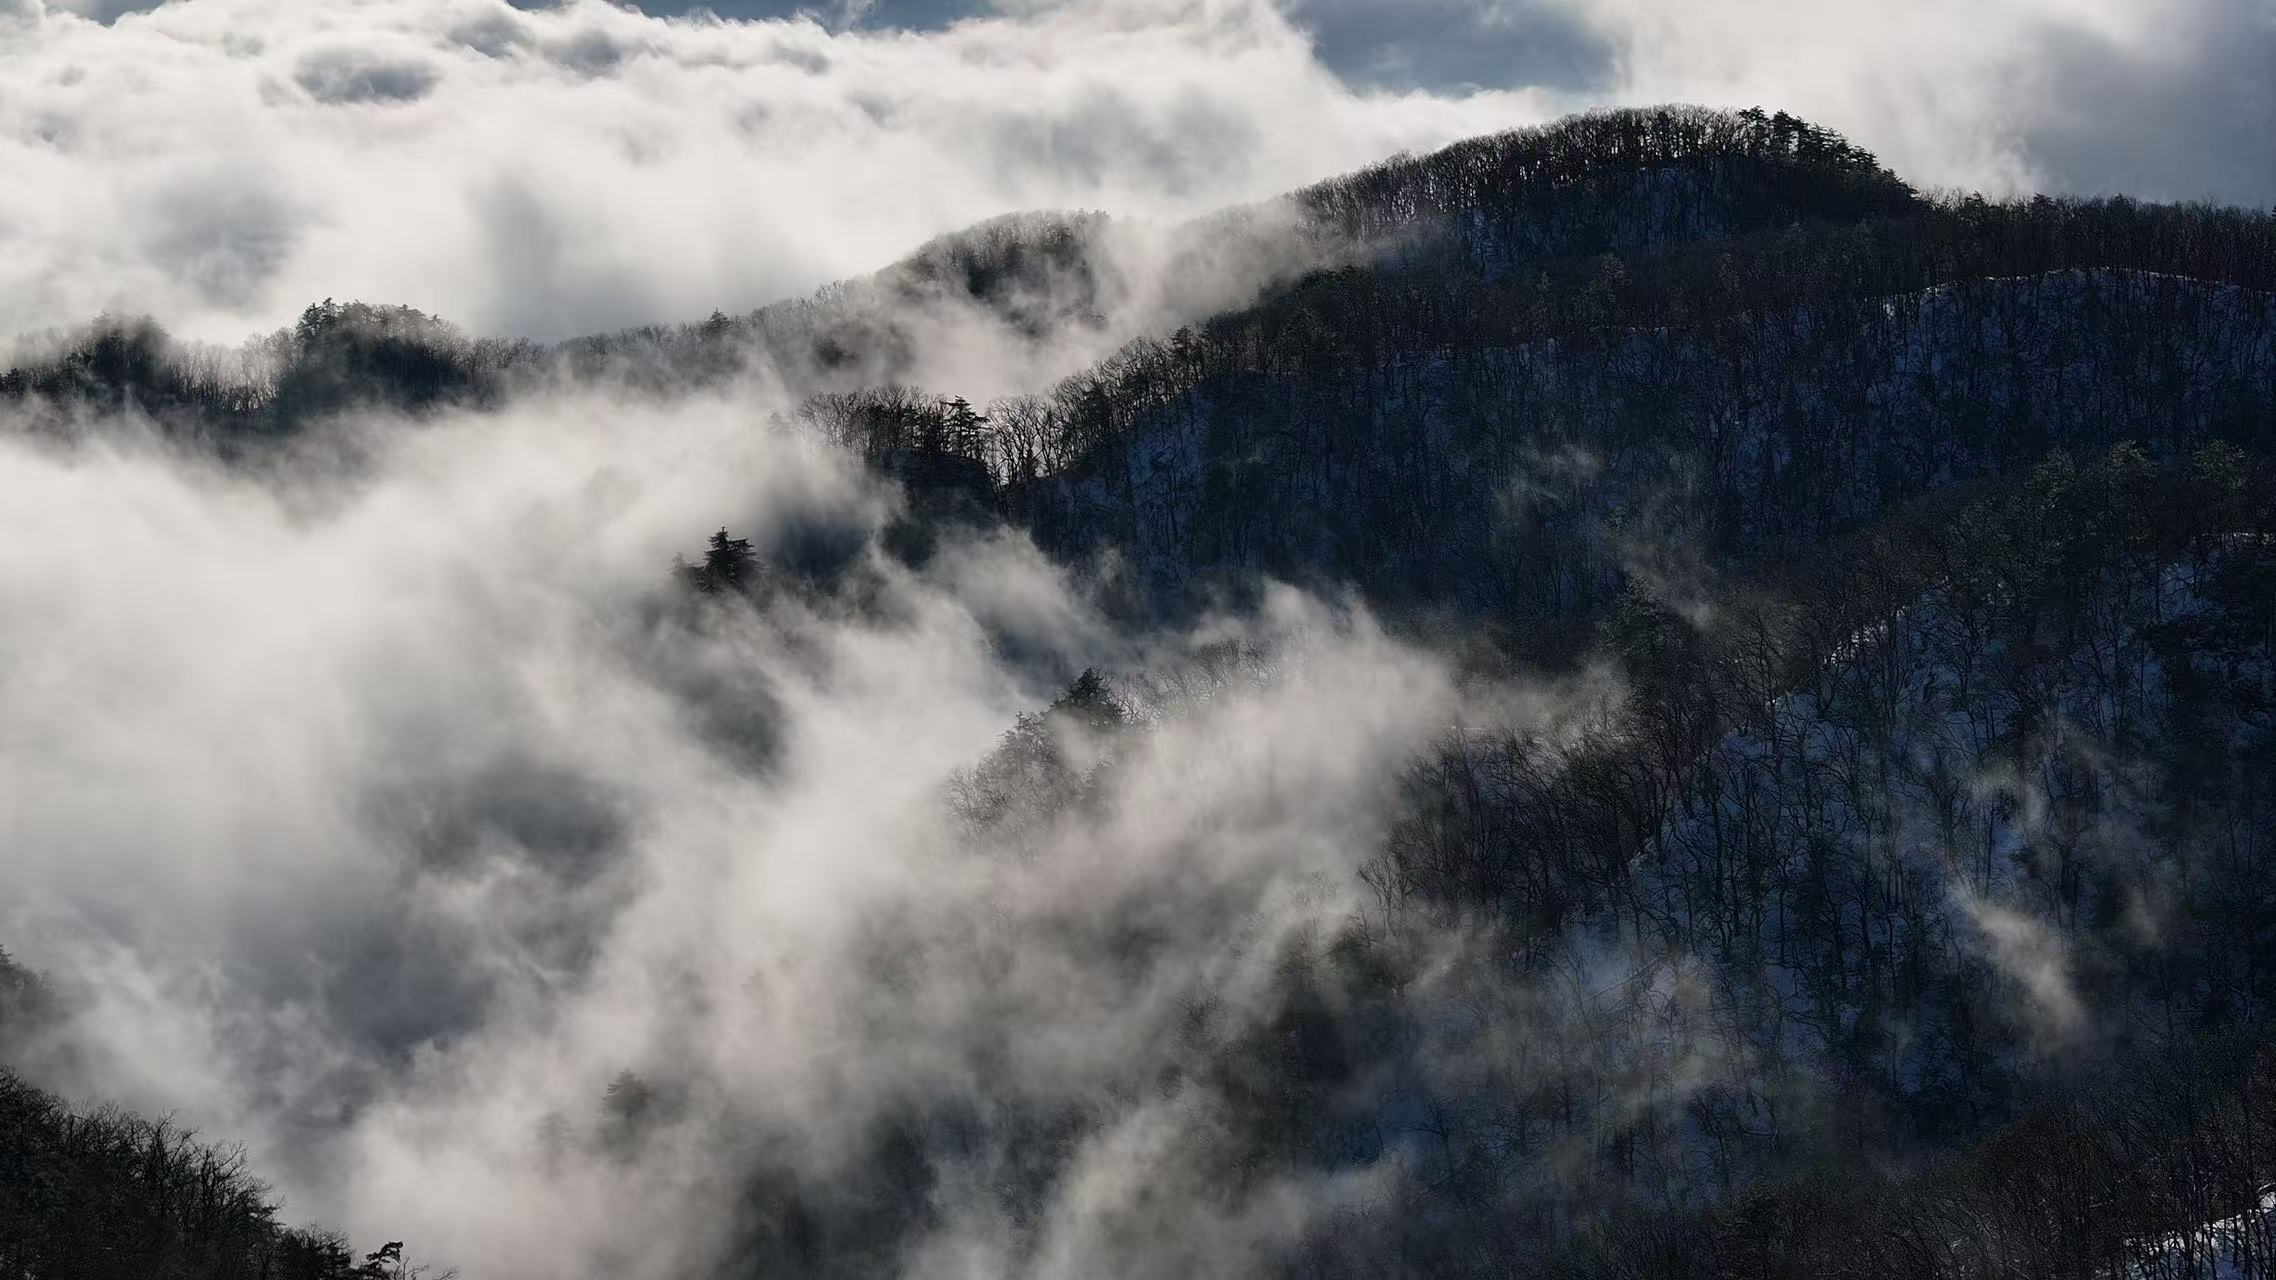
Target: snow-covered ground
{"x": 2240, "y": 1247}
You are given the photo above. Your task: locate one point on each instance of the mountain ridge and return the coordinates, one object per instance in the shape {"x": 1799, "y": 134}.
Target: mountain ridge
{"x": 1803, "y": 808}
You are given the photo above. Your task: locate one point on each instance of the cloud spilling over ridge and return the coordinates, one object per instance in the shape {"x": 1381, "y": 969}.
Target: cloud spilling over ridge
{"x": 386, "y": 808}
{"x": 383, "y": 819}
{"x": 385, "y": 813}
{"x": 560, "y": 171}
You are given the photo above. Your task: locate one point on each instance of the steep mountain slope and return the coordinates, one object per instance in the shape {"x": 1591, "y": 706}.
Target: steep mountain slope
{"x": 1923, "y": 831}
{"x": 1889, "y": 893}
{"x": 1552, "y": 386}
{"x": 1527, "y": 482}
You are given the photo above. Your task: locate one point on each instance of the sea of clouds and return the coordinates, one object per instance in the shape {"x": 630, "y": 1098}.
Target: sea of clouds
{"x": 379, "y": 806}
{"x": 545, "y": 172}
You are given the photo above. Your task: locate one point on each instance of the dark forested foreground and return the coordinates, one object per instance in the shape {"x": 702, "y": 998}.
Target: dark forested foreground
{"x": 108, "y": 1193}
{"x": 1840, "y": 838}
{"x": 101, "y": 1192}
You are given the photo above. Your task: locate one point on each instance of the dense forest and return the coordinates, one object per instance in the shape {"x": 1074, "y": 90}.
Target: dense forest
{"x": 1892, "y": 892}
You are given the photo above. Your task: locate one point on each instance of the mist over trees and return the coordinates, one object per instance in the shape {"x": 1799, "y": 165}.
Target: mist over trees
{"x": 1633, "y": 698}
{"x": 107, "y": 1193}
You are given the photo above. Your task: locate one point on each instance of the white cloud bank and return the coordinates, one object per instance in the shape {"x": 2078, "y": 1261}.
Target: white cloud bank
{"x": 221, "y": 163}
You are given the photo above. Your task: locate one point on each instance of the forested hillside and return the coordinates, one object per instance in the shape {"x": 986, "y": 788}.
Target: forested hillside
{"x": 1653, "y": 702}
{"x": 103, "y": 1192}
